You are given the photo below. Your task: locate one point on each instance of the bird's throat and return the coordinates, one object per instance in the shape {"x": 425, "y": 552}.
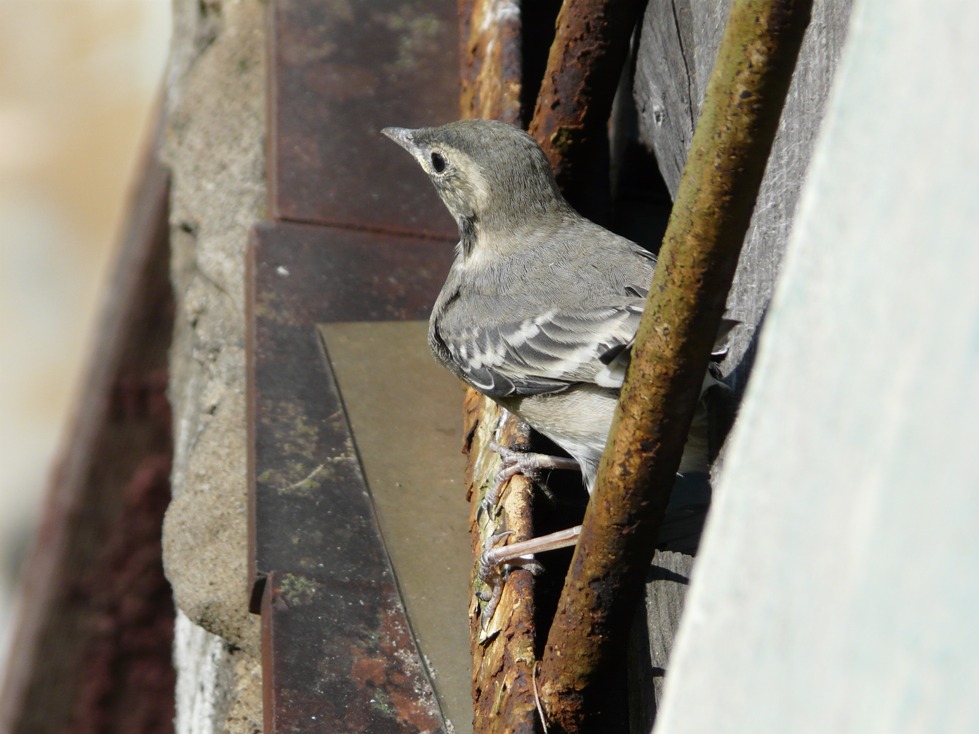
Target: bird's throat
{"x": 467, "y": 235}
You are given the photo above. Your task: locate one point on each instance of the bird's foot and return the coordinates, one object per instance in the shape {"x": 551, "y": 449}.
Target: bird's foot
{"x": 521, "y": 462}
{"x": 521, "y": 554}
{"x": 493, "y": 571}
{"x": 494, "y": 563}
{"x": 497, "y": 560}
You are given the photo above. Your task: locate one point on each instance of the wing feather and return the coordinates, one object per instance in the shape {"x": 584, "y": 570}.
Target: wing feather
{"x": 548, "y": 352}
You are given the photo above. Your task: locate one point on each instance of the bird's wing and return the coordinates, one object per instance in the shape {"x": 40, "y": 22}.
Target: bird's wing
{"x": 545, "y": 353}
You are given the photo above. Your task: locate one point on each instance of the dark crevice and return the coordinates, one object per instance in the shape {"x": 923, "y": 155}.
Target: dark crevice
{"x": 538, "y": 20}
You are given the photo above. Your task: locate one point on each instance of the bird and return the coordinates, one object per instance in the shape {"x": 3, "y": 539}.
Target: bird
{"x": 540, "y": 307}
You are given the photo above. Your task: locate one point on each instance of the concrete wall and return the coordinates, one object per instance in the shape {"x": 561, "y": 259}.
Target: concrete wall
{"x": 214, "y": 145}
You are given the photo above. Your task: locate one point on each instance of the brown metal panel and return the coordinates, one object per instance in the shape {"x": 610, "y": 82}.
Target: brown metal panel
{"x": 310, "y": 508}
{"x": 339, "y": 72}
{"x": 336, "y": 641}
{"x": 352, "y": 672}
{"x": 92, "y": 647}
{"x": 362, "y": 237}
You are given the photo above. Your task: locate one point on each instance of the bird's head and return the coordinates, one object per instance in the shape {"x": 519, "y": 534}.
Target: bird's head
{"x": 490, "y": 175}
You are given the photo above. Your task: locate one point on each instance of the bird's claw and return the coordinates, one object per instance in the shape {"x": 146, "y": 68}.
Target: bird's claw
{"x": 491, "y": 575}
{"x": 494, "y": 566}
{"x": 510, "y": 468}
{"x": 514, "y": 462}
{"x": 489, "y": 566}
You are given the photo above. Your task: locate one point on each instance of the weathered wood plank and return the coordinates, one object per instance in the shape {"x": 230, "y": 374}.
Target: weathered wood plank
{"x": 677, "y": 48}
{"x": 96, "y": 621}
{"x": 678, "y": 44}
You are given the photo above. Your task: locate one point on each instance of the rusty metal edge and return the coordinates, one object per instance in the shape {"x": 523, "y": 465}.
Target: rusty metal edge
{"x": 276, "y": 209}
{"x": 256, "y": 580}
{"x": 259, "y": 579}
{"x": 144, "y": 231}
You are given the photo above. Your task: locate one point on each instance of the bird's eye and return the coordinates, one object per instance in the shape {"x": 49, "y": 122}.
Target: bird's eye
{"x": 438, "y": 162}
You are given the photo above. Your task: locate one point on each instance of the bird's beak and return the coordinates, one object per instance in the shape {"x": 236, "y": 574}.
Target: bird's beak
{"x": 402, "y": 136}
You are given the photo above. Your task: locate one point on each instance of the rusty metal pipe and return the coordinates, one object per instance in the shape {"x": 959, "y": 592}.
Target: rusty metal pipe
{"x": 570, "y": 120}
{"x": 700, "y": 251}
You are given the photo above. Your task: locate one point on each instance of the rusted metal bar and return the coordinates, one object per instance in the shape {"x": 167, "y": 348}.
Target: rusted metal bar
{"x": 697, "y": 262}
{"x": 92, "y": 647}
{"x": 571, "y": 117}
{"x": 503, "y": 644}
{"x": 490, "y": 37}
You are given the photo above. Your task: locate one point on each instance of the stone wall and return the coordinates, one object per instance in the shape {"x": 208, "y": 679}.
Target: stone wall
{"x": 214, "y": 145}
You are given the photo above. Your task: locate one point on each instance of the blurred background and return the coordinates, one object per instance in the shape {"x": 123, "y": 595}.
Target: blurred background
{"x": 78, "y": 86}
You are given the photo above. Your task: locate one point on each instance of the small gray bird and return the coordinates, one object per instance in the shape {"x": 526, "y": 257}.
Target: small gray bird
{"x": 541, "y": 305}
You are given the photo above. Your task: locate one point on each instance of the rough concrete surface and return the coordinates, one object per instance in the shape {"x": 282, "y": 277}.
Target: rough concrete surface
{"x": 214, "y": 146}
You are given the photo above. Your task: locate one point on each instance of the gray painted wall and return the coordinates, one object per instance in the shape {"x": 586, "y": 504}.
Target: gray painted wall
{"x": 837, "y": 587}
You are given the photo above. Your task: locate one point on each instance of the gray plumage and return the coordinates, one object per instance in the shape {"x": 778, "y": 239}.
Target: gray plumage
{"x": 541, "y": 305}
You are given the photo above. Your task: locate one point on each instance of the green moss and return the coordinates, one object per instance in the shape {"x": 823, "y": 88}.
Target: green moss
{"x": 298, "y": 590}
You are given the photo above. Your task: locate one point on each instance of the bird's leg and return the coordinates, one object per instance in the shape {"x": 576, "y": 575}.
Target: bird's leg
{"x": 521, "y": 553}
{"x": 521, "y": 462}
{"x": 493, "y": 572}
{"x": 496, "y": 561}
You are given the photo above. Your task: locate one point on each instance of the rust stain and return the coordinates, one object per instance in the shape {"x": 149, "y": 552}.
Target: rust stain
{"x": 491, "y": 68}
{"x": 575, "y": 101}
